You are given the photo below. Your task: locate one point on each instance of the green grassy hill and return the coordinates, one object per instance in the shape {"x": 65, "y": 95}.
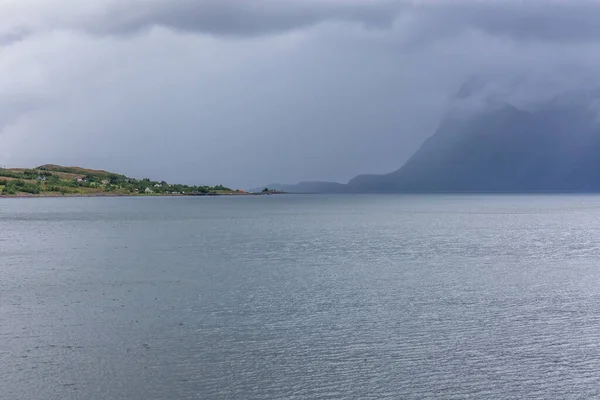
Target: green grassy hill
{"x": 55, "y": 180}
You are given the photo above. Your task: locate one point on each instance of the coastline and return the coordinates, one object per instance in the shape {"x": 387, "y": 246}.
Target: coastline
{"x": 52, "y": 181}
{"x": 72, "y": 195}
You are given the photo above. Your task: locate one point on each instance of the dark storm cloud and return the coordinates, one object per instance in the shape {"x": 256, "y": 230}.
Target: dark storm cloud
{"x": 544, "y": 20}
{"x": 241, "y": 17}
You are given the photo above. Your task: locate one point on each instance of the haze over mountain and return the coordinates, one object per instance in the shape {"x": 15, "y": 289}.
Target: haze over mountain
{"x": 487, "y": 145}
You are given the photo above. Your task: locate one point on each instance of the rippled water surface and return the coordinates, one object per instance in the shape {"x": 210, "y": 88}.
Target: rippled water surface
{"x": 300, "y": 297}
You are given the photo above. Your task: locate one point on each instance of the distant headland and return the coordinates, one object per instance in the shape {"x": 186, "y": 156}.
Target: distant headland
{"x": 55, "y": 181}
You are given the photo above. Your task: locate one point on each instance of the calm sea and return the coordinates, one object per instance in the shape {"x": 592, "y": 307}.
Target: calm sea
{"x": 300, "y": 297}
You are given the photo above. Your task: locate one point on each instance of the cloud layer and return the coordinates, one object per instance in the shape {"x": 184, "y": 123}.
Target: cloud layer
{"x": 245, "y": 93}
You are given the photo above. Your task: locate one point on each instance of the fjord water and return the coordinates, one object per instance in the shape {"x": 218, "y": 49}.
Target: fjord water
{"x": 300, "y": 297}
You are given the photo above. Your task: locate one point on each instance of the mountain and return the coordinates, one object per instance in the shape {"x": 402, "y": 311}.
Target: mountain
{"x": 554, "y": 146}
{"x": 503, "y": 149}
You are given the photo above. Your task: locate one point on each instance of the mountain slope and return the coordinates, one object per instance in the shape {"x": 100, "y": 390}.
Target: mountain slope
{"x": 502, "y": 150}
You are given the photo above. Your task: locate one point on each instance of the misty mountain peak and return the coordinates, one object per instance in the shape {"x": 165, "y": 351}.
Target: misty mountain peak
{"x": 492, "y": 145}
{"x": 469, "y": 88}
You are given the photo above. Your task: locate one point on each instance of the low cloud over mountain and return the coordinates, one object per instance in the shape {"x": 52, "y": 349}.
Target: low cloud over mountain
{"x": 497, "y": 147}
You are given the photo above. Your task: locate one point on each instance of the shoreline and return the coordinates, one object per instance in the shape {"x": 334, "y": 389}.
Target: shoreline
{"x": 53, "y": 195}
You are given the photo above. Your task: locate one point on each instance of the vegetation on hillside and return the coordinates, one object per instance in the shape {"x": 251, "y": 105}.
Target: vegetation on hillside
{"x": 56, "y": 179}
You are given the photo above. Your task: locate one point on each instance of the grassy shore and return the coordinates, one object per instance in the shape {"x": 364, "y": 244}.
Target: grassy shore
{"x": 100, "y": 194}
{"x": 59, "y": 181}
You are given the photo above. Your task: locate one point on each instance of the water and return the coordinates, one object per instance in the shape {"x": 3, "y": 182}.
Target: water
{"x": 300, "y": 297}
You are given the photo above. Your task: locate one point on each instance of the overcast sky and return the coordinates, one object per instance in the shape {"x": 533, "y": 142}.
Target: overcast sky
{"x": 247, "y": 92}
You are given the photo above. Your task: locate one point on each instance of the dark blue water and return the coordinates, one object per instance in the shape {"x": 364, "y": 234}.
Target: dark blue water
{"x": 300, "y": 297}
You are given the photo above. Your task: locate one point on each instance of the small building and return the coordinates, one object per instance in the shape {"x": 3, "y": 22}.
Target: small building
{"x": 148, "y": 190}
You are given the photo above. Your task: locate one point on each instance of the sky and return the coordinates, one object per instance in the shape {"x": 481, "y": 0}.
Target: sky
{"x": 245, "y": 93}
